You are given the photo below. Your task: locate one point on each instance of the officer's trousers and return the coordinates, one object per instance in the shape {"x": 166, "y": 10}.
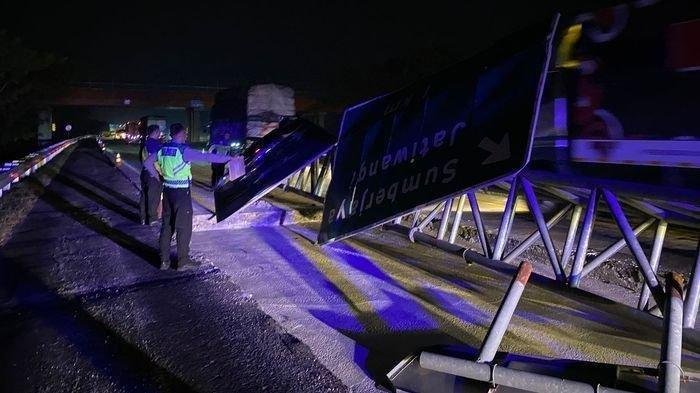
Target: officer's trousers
{"x": 151, "y": 188}
{"x": 177, "y": 219}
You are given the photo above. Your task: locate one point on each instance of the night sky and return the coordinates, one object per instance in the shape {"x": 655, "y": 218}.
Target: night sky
{"x": 323, "y": 46}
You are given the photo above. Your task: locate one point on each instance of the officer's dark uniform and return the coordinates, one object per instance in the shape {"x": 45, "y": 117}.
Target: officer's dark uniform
{"x": 151, "y": 187}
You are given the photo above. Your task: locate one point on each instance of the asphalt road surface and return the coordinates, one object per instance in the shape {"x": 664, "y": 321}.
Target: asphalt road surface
{"x": 85, "y": 309}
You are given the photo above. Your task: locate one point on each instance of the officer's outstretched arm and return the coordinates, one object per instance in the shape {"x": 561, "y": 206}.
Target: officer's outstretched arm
{"x": 196, "y": 155}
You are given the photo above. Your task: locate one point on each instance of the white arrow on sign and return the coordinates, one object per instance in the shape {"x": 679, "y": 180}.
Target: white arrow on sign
{"x": 499, "y": 151}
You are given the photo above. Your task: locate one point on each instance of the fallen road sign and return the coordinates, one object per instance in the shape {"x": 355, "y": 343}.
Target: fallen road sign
{"x": 285, "y": 150}
{"x": 466, "y": 126}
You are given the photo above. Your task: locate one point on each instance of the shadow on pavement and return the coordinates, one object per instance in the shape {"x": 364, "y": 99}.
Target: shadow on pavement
{"x": 146, "y": 252}
{"x": 379, "y": 343}
{"x": 116, "y": 195}
{"x": 129, "y": 215}
{"x": 117, "y": 359}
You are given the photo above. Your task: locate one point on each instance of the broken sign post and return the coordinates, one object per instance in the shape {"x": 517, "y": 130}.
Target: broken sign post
{"x": 467, "y": 126}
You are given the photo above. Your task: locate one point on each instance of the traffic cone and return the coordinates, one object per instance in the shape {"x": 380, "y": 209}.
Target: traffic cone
{"x": 118, "y": 160}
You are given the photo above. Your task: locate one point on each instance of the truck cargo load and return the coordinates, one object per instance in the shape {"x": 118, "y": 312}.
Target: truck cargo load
{"x": 267, "y": 104}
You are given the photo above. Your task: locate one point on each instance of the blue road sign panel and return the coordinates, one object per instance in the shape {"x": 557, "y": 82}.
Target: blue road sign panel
{"x": 469, "y": 125}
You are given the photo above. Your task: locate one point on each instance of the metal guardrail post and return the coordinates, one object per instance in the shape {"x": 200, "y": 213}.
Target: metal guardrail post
{"x": 614, "y": 248}
{"x": 571, "y": 236}
{"x": 584, "y": 238}
{"x": 444, "y": 221}
{"x": 670, "y": 366}
{"x": 504, "y": 314}
{"x": 633, "y": 244}
{"x": 458, "y": 218}
{"x": 506, "y": 220}
{"x": 534, "y": 206}
{"x": 690, "y": 311}
{"x": 656, "y": 248}
{"x": 480, "y": 229}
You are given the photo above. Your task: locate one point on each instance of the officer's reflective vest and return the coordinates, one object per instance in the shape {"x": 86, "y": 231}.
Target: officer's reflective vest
{"x": 177, "y": 173}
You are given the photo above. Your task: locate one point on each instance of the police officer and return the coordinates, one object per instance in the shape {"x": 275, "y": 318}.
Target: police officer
{"x": 151, "y": 186}
{"x": 172, "y": 161}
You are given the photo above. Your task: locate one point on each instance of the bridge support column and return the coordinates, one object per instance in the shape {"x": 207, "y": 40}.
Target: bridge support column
{"x": 46, "y": 127}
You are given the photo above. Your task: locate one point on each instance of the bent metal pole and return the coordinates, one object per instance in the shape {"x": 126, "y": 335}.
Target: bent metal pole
{"x": 619, "y": 217}
{"x": 584, "y": 238}
{"x": 692, "y": 299}
{"x": 658, "y": 244}
{"x": 505, "y": 312}
{"x": 458, "y": 218}
{"x": 670, "y": 366}
{"x": 536, "y": 212}
{"x": 481, "y": 230}
{"x": 497, "y": 375}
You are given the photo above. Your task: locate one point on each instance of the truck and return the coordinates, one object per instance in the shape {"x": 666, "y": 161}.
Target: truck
{"x": 146, "y": 121}
{"x": 241, "y": 114}
{"x": 228, "y": 119}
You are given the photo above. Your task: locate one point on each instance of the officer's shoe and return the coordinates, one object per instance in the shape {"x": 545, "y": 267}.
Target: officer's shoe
{"x": 164, "y": 265}
{"x": 187, "y": 264}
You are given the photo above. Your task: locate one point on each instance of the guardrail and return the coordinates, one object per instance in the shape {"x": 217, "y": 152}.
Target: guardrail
{"x": 16, "y": 170}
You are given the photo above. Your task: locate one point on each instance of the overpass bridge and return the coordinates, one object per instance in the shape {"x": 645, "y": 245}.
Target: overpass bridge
{"x": 154, "y": 96}
{"x": 189, "y": 102}
{"x": 136, "y": 95}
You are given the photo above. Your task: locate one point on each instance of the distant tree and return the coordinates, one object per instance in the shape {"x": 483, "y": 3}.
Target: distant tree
{"x": 27, "y": 77}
